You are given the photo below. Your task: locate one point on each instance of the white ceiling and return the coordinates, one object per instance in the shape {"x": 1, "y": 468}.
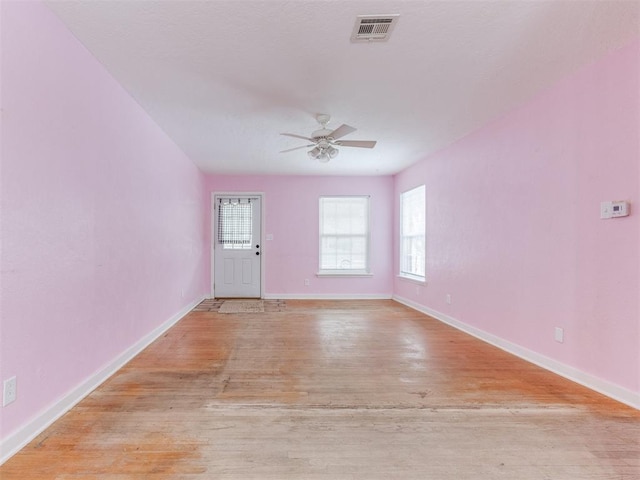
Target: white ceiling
{"x": 225, "y": 78}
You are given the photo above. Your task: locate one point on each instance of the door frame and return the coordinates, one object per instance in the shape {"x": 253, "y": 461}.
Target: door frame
{"x": 212, "y": 217}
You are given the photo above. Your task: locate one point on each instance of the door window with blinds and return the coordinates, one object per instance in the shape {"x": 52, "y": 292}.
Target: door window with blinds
{"x": 344, "y": 235}
{"x": 235, "y": 223}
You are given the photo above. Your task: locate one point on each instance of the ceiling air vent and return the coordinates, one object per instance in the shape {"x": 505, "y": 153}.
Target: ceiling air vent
{"x": 373, "y": 28}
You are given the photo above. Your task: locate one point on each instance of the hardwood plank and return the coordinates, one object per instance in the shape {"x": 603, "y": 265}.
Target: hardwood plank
{"x": 333, "y": 390}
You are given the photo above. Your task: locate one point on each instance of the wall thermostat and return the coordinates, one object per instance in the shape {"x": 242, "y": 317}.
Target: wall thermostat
{"x": 613, "y": 209}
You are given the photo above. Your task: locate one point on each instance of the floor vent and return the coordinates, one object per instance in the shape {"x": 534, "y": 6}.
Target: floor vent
{"x": 373, "y": 28}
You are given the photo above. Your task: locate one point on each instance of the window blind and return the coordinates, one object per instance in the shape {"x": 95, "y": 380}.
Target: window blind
{"x": 412, "y": 233}
{"x": 235, "y": 222}
{"x": 344, "y": 234}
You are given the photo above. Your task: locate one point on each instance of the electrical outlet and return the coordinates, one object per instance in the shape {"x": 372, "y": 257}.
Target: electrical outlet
{"x": 10, "y": 391}
{"x": 448, "y": 299}
{"x": 559, "y": 335}
{"x": 307, "y": 282}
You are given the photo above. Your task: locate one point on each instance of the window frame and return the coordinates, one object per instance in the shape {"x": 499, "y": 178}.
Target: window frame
{"x": 353, "y": 272}
{"x": 401, "y": 253}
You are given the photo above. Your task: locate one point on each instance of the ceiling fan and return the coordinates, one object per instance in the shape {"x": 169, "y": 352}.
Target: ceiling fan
{"x": 325, "y": 141}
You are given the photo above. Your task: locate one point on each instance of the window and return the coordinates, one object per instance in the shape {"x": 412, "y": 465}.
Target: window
{"x": 412, "y": 233}
{"x": 344, "y": 235}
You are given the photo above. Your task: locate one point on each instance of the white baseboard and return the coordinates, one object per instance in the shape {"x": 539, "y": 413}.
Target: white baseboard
{"x": 326, "y": 296}
{"x": 21, "y": 437}
{"x": 611, "y": 390}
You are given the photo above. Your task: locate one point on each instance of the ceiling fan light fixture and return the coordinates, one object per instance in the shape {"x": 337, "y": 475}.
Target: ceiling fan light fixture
{"x": 314, "y": 152}
{"x": 323, "y": 157}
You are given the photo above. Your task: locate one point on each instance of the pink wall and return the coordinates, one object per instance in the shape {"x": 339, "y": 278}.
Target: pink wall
{"x": 102, "y": 215}
{"x": 514, "y": 234}
{"x": 105, "y": 222}
{"x": 291, "y": 216}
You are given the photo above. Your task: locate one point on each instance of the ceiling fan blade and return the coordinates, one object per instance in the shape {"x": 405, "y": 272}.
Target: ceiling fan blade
{"x": 341, "y": 131}
{"x": 297, "y": 136}
{"x": 357, "y": 143}
{"x": 297, "y": 148}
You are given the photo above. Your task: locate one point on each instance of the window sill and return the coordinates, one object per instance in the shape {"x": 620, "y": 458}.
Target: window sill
{"x": 418, "y": 280}
{"x": 343, "y": 274}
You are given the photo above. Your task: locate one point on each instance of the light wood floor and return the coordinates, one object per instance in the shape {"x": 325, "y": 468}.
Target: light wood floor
{"x": 333, "y": 390}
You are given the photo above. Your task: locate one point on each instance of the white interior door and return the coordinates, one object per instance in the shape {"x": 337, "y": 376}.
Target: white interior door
{"x": 237, "y": 246}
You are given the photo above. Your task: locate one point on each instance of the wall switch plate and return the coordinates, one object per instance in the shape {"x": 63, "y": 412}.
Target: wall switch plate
{"x": 448, "y": 299}
{"x": 269, "y": 236}
{"x": 9, "y": 391}
{"x": 559, "y": 335}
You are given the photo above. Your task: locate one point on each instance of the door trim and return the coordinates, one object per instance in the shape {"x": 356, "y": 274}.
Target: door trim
{"x": 212, "y": 235}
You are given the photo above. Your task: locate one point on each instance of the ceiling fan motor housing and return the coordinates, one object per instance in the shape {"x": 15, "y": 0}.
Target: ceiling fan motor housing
{"x": 323, "y": 132}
